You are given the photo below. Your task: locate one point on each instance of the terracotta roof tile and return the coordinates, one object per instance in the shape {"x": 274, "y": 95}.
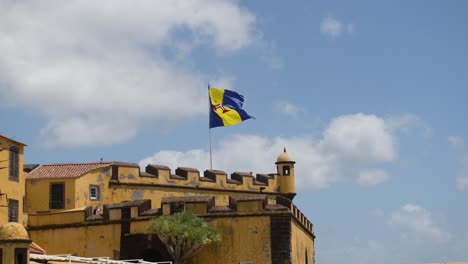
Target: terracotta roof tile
{"x": 65, "y": 170}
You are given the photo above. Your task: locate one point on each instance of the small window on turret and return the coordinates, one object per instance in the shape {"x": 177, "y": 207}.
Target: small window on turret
{"x": 21, "y": 255}
{"x": 286, "y": 170}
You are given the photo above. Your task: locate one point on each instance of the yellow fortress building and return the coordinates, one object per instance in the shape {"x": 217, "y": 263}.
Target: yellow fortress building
{"x": 103, "y": 208}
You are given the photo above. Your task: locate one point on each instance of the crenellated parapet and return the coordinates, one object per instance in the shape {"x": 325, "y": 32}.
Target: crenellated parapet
{"x": 141, "y": 210}
{"x": 191, "y": 177}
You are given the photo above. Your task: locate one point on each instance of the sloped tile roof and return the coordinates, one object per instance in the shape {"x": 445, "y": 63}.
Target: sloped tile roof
{"x": 65, "y": 170}
{"x": 10, "y": 139}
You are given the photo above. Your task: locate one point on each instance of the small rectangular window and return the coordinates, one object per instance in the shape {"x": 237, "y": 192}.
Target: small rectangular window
{"x": 94, "y": 192}
{"x": 286, "y": 170}
{"x": 13, "y": 210}
{"x": 14, "y": 163}
{"x": 57, "y": 195}
{"x": 21, "y": 255}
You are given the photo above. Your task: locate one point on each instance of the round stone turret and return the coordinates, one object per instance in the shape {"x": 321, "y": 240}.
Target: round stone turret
{"x": 14, "y": 243}
{"x": 284, "y": 157}
{"x": 285, "y": 167}
{"x": 13, "y": 232}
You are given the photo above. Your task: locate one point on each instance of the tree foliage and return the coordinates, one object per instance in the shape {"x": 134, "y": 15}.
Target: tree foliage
{"x": 183, "y": 233}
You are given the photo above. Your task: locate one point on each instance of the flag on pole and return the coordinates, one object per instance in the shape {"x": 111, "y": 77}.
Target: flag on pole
{"x": 226, "y": 107}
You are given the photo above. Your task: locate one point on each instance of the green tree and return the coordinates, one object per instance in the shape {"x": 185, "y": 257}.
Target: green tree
{"x": 183, "y": 233}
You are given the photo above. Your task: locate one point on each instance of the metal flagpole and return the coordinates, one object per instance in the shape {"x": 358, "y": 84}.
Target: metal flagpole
{"x": 209, "y": 128}
{"x": 211, "y": 164}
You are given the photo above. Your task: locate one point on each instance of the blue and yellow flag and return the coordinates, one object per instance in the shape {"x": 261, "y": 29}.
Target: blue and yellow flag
{"x": 226, "y": 107}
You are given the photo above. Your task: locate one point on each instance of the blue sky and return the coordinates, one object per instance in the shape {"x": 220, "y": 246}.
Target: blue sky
{"x": 369, "y": 97}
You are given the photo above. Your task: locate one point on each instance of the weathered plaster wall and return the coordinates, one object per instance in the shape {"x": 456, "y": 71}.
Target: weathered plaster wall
{"x": 8, "y": 250}
{"x": 87, "y": 240}
{"x": 71, "y": 216}
{"x": 244, "y": 239}
{"x": 38, "y": 191}
{"x": 129, "y": 185}
{"x": 99, "y": 177}
{"x": 301, "y": 242}
{"x": 11, "y": 189}
{"x": 286, "y": 182}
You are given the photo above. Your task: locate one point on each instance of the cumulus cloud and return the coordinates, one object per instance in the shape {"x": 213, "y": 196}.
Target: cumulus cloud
{"x": 372, "y": 177}
{"x": 407, "y": 124}
{"x": 288, "y": 108}
{"x": 349, "y": 145}
{"x": 333, "y": 28}
{"x": 91, "y": 66}
{"x": 414, "y": 220}
{"x": 456, "y": 141}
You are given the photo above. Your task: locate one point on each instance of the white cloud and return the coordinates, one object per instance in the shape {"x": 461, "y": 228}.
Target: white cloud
{"x": 407, "y": 123}
{"x": 333, "y": 28}
{"x": 330, "y": 27}
{"x": 456, "y": 141}
{"x": 88, "y": 63}
{"x": 462, "y": 183}
{"x": 372, "y": 177}
{"x": 462, "y": 175}
{"x": 288, "y": 108}
{"x": 360, "y": 137}
{"x": 413, "y": 220}
{"x": 349, "y": 144}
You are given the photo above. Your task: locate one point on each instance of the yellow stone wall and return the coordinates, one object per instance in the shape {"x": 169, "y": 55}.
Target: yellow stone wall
{"x": 192, "y": 180}
{"x": 91, "y": 240}
{"x": 286, "y": 183}
{"x": 133, "y": 185}
{"x": 11, "y": 189}
{"x": 38, "y": 191}
{"x": 72, "y": 216}
{"x": 301, "y": 242}
{"x": 8, "y": 249}
{"x": 77, "y": 189}
{"x": 99, "y": 177}
{"x": 246, "y": 234}
{"x": 246, "y": 238}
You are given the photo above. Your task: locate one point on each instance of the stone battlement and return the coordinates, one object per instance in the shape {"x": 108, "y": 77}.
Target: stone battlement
{"x": 190, "y": 177}
{"x": 140, "y": 210}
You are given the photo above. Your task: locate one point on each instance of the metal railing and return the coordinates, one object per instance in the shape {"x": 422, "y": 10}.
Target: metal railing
{"x": 93, "y": 260}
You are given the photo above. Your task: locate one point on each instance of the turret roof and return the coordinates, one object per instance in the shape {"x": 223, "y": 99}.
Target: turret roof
{"x": 285, "y": 157}
{"x": 13, "y": 231}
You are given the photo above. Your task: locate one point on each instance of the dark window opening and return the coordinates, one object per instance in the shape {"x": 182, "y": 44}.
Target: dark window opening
{"x": 21, "y": 255}
{"x": 57, "y": 196}
{"x": 14, "y": 163}
{"x": 13, "y": 210}
{"x": 24, "y": 204}
{"x": 1, "y": 255}
{"x": 94, "y": 192}
{"x": 177, "y": 207}
{"x": 306, "y": 258}
{"x": 286, "y": 170}
{"x": 115, "y": 173}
